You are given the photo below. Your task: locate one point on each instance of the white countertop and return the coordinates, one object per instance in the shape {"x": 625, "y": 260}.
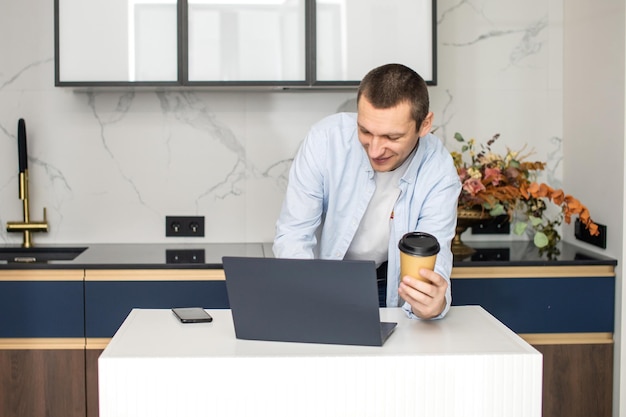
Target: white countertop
{"x": 465, "y": 330}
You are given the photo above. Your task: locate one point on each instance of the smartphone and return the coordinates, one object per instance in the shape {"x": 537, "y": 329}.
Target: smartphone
{"x": 192, "y": 315}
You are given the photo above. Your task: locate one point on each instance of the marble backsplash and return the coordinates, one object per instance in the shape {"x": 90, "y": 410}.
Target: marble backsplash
{"x": 110, "y": 164}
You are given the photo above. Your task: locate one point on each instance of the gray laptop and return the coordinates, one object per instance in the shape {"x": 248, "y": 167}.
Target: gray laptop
{"x": 305, "y": 300}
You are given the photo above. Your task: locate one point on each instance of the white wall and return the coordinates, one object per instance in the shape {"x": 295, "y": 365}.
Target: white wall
{"x": 111, "y": 164}
{"x": 593, "y": 145}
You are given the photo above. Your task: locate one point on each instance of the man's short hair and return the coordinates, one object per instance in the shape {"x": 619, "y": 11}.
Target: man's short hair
{"x": 391, "y": 84}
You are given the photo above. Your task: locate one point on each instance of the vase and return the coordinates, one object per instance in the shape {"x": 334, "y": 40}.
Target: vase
{"x": 466, "y": 217}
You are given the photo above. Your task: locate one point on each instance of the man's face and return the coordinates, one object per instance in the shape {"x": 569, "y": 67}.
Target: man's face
{"x": 388, "y": 135}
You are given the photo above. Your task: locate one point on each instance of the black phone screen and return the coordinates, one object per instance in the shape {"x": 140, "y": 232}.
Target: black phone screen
{"x": 192, "y": 315}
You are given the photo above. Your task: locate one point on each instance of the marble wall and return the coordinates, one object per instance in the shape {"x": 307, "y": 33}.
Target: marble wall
{"x": 109, "y": 165}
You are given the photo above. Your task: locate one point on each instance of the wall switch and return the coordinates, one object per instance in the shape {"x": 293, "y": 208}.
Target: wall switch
{"x": 184, "y": 226}
{"x": 581, "y": 233}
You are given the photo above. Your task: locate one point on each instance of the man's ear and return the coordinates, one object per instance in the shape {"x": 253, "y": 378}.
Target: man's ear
{"x": 427, "y": 124}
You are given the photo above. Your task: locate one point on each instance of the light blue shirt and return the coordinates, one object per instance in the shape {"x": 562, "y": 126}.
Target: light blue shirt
{"x": 331, "y": 183}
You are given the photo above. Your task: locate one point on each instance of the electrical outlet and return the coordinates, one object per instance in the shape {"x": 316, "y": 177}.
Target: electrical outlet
{"x": 581, "y": 233}
{"x": 498, "y": 225}
{"x": 184, "y": 226}
{"x": 184, "y": 256}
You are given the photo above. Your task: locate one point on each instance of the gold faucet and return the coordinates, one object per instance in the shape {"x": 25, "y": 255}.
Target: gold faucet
{"x": 27, "y": 226}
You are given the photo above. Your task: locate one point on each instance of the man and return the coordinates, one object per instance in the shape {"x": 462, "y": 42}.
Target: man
{"x": 361, "y": 181}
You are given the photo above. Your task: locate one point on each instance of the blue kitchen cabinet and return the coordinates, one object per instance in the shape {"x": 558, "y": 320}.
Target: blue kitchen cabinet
{"x": 543, "y": 304}
{"x": 38, "y": 304}
{"x": 111, "y": 295}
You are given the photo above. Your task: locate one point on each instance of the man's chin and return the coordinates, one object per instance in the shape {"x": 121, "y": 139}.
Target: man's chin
{"x": 383, "y": 167}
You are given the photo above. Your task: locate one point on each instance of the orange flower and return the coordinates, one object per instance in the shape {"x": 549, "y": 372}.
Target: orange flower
{"x": 539, "y": 190}
{"x": 569, "y": 205}
{"x": 558, "y": 196}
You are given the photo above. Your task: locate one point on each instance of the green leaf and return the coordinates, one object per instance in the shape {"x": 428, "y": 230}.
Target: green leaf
{"x": 497, "y": 210}
{"x": 519, "y": 228}
{"x": 540, "y": 240}
{"x": 464, "y": 148}
{"x": 535, "y": 221}
{"x": 458, "y": 137}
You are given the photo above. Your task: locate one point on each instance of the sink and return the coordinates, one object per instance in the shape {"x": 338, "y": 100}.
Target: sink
{"x": 40, "y": 254}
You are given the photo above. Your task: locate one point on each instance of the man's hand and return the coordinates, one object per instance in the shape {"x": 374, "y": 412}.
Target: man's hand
{"x": 427, "y": 299}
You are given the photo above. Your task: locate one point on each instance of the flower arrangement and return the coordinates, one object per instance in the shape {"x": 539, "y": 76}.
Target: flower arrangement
{"x": 506, "y": 185}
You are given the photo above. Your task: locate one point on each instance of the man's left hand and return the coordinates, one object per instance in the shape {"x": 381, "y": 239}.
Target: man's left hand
{"x": 427, "y": 299}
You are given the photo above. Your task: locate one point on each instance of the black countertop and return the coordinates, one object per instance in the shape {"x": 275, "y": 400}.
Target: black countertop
{"x": 525, "y": 253}
{"x": 145, "y": 256}
{"x": 209, "y": 256}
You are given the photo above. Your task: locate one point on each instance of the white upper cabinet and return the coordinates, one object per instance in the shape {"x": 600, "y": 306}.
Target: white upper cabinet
{"x": 116, "y": 41}
{"x": 251, "y": 40}
{"x": 354, "y": 36}
{"x": 272, "y": 43}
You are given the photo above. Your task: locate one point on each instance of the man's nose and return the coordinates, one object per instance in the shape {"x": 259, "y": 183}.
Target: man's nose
{"x": 376, "y": 147}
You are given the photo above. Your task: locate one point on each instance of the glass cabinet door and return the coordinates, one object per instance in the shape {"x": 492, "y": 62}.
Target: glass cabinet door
{"x": 117, "y": 41}
{"x": 354, "y": 36}
{"x": 276, "y": 43}
{"x": 246, "y": 40}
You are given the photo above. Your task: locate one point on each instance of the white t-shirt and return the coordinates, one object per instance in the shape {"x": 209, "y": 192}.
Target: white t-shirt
{"x": 371, "y": 240}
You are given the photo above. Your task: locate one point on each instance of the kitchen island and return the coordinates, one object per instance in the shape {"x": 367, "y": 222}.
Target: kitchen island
{"x": 461, "y": 366}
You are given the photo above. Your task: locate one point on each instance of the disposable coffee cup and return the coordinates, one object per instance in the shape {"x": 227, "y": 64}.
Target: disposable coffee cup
{"x": 417, "y": 250}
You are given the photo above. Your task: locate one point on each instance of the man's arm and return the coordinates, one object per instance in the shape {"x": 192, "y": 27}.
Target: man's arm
{"x": 437, "y": 216}
{"x": 302, "y": 207}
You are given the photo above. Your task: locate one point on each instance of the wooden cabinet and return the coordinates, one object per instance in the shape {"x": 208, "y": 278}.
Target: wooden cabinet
{"x": 42, "y": 382}
{"x": 577, "y": 379}
{"x": 544, "y": 305}
{"x": 42, "y": 344}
